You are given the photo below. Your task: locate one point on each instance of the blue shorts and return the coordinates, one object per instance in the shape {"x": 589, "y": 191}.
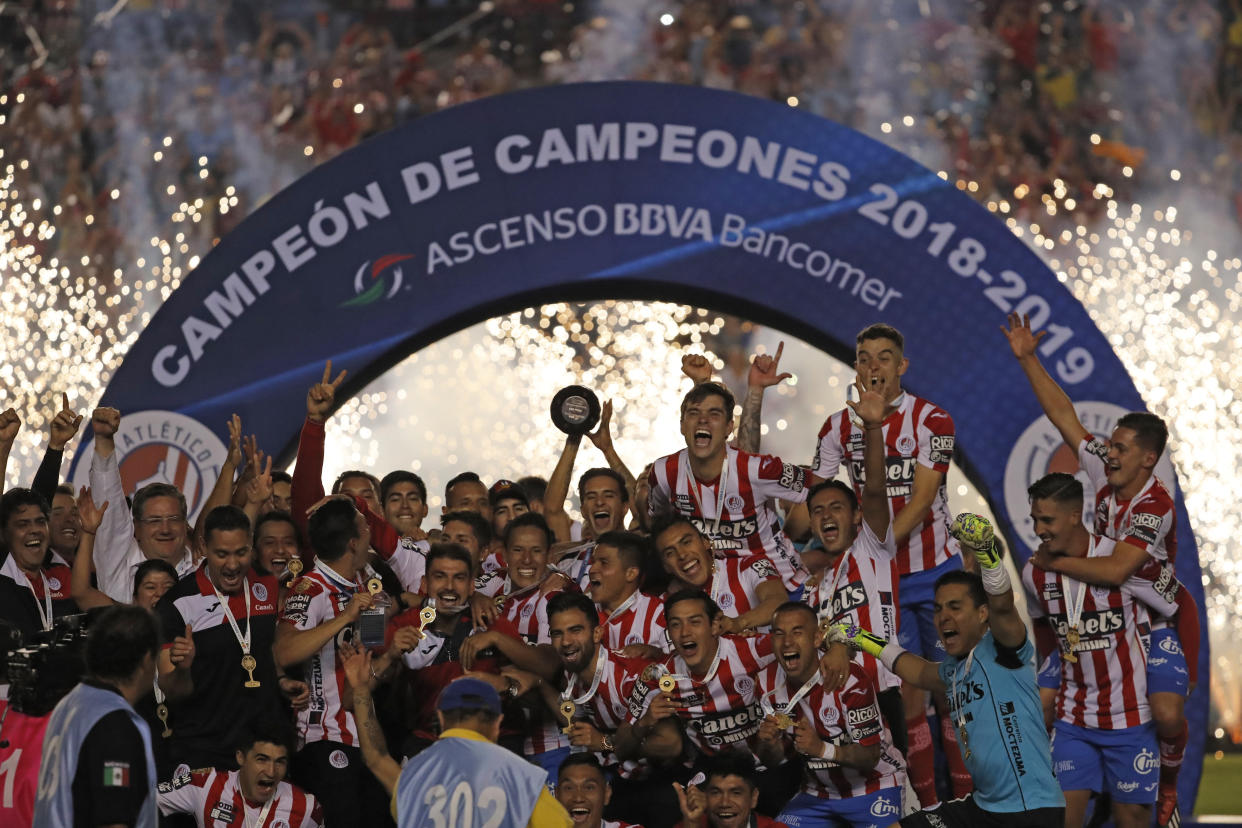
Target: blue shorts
{"x": 916, "y": 620}
{"x": 1049, "y": 677}
{"x": 1166, "y": 664}
{"x": 1122, "y": 763}
{"x": 877, "y": 810}
{"x": 550, "y": 761}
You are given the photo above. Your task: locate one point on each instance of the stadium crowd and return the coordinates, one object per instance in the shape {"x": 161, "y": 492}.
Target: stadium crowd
{"x": 723, "y": 635}
{"x": 172, "y": 121}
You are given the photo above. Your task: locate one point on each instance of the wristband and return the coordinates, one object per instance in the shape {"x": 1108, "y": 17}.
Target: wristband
{"x": 890, "y": 654}
{"x": 995, "y": 580}
{"x": 829, "y": 753}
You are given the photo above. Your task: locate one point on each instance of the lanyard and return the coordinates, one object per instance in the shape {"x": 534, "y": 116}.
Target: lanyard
{"x": 600, "y": 657}
{"x": 722, "y": 483}
{"x": 243, "y": 640}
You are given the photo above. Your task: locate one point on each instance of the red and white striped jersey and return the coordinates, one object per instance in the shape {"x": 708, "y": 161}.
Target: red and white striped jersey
{"x": 748, "y": 522}
{"x": 850, "y": 715}
{"x": 861, "y": 588}
{"x": 721, "y": 707}
{"x": 916, "y": 433}
{"x": 734, "y": 583}
{"x": 524, "y": 615}
{"x": 638, "y": 620}
{"x": 1148, "y": 520}
{"x": 576, "y": 563}
{"x": 605, "y": 703}
{"x": 215, "y": 799}
{"x": 1106, "y": 688}
{"x": 314, "y": 599}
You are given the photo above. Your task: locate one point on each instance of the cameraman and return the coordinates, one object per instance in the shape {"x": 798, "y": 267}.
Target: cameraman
{"x": 97, "y": 767}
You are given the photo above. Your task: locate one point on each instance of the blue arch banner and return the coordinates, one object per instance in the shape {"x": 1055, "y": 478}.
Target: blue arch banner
{"x": 620, "y": 190}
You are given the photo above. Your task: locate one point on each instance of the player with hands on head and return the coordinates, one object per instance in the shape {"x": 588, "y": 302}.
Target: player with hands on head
{"x": 1133, "y": 507}
{"x": 988, "y": 677}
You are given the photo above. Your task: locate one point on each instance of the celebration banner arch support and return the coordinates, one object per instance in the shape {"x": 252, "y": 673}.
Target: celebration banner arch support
{"x": 609, "y": 191}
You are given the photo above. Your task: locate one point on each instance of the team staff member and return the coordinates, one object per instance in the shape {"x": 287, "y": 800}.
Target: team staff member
{"x": 219, "y": 623}
{"x": 1134, "y": 508}
{"x": 255, "y": 795}
{"x": 988, "y": 675}
{"x": 97, "y": 768}
{"x": 918, "y": 439}
{"x": 155, "y": 527}
{"x": 464, "y": 762}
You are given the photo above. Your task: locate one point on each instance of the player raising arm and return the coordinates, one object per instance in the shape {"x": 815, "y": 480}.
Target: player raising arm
{"x": 988, "y": 676}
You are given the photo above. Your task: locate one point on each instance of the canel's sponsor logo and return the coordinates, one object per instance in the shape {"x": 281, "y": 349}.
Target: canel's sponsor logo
{"x": 156, "y": 446}
{"x": 386, "y": 278}
{"x": 1041, "y": 450}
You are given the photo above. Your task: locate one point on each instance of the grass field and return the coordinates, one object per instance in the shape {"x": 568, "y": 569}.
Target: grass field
{"x": 1220, "y": 791}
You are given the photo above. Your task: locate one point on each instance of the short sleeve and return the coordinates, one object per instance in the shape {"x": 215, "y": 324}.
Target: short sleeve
{"x": 172, "y": 622}
{"x": 1092, "y": 456}
{"x": 756, "y": 571}
{"x": 314, "y": 813}
{"x": 111, "y": 781}
{"x": 778, "y": 479}
{"x": 936, "y": 438}
{"x": 299, "y": 609}
{"x": 827, "y": 451}
{"x": 181, "y": 795}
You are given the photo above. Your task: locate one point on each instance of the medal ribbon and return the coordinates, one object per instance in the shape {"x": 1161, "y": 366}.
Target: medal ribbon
{"x": 243, "y": 640}
{"x": 263, "y": 812}
{"x": 695, "y": 487}
{"x": 1073, "y": 607}
{"x": 961, "y": 708}
{"x": 568, "y": 695}
{"x": 44, "y": 608}
{"x": 622, "y": 607}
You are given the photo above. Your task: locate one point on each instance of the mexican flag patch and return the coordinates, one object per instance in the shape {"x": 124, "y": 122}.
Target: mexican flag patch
{"x": 116, "y": 774}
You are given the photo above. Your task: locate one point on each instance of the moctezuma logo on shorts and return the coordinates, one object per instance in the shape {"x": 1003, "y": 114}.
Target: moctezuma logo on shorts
{"x": 386, "y": 278}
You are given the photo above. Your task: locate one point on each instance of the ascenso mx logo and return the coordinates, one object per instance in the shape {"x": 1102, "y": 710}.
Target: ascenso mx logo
{"x": 385, "y": 280}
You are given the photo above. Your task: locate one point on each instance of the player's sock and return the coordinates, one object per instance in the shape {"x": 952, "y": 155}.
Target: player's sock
{"x": 1171, "y": 752}
{"x": 921, "y": 760}
{"x": 959, "y": 777}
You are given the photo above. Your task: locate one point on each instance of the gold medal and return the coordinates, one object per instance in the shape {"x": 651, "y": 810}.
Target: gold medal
{"x": 375, "y": 586}
{"x": 425, "y": 616}
{"x": 295, "y": 567}
{"x": 667, "y": 684}
{"x": 963, "y": 740}
{"x": 784, "y": 721}
{"x": 161, "y": 713}
{"x": 249, "y": 664}
{"x": 568, "y": 708}
{"x": 1072, "y": 637}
